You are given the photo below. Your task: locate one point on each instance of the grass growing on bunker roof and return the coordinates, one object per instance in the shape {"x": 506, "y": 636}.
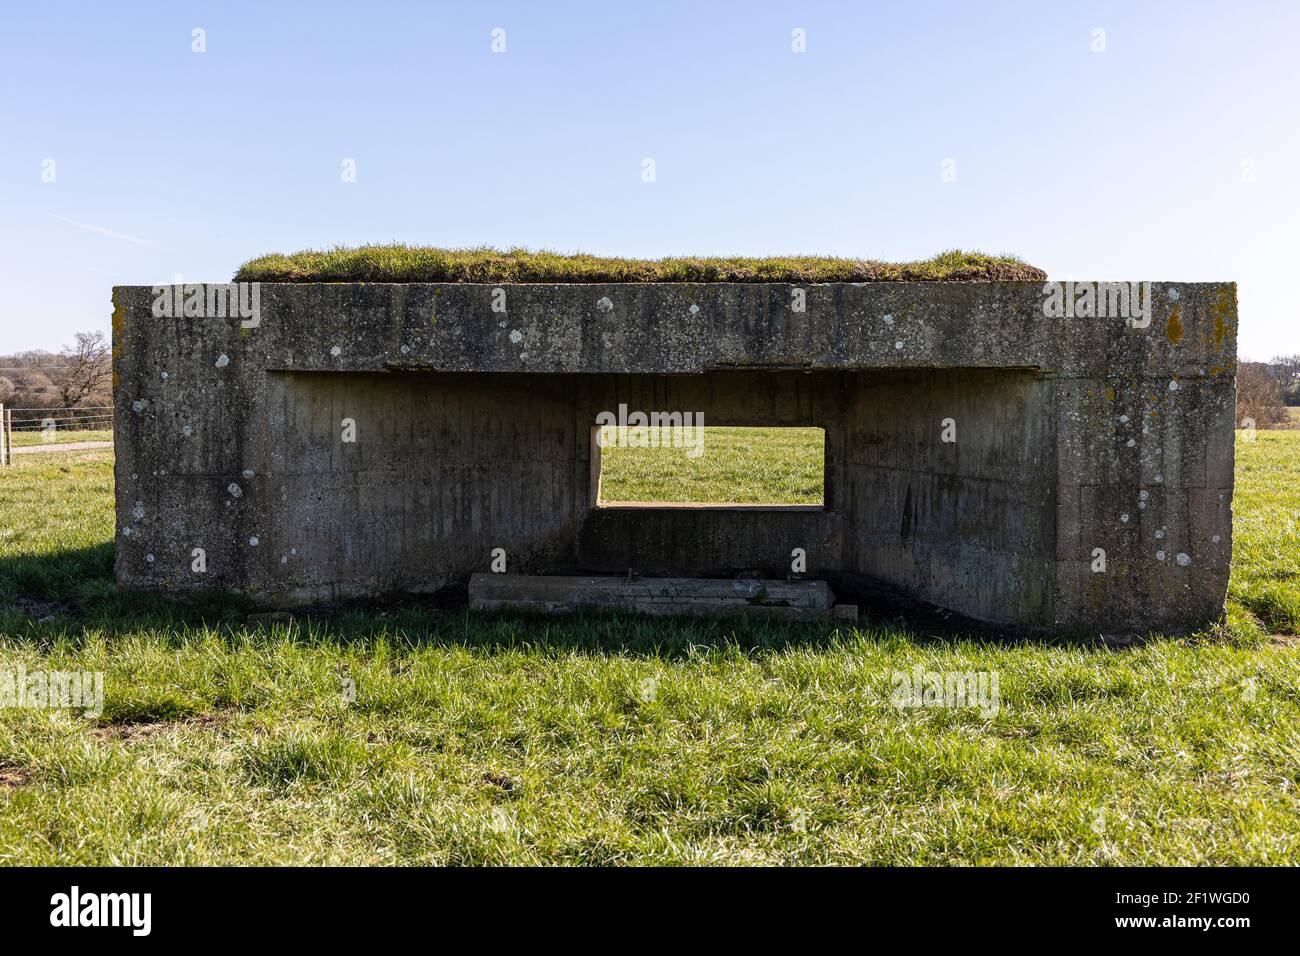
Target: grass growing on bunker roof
{"x": 401, "y": 263}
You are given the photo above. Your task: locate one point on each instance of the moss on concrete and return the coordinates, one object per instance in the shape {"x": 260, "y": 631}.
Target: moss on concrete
{"x": 401, "y": 263}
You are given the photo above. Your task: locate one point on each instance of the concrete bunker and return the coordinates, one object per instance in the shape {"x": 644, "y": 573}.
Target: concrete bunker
{"x": 982, "y": 454}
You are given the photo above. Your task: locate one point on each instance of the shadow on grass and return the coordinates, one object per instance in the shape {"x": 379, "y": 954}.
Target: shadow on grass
{"x": 58, "y": 578}
{"x": 65, "y": 595}
{"x": 57, "y": 593}
{"x": 68, "y": 596}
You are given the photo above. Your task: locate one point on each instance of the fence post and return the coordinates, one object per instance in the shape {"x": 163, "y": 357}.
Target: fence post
{"x": 4, "y": 436}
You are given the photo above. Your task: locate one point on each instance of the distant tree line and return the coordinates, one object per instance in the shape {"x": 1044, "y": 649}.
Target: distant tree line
{"x": 1286, "y": 369}
{"x": 76, "y": 376}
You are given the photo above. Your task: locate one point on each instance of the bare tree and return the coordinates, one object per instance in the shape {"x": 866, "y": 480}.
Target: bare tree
{"x": 1259, "y": 395}
{"x": 90, "y": 368}
{"x": 33, "y": 389}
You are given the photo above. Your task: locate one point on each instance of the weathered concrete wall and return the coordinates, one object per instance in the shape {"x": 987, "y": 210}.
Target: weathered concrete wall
{"x": 1074, "y": 436}
{"x": 972, "y": 518}
{"x": 442, "y": 466}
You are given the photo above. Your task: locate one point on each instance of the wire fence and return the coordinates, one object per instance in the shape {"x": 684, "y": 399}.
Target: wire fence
{"x": 96, "y": 418}
{"x": 52, "y": 424}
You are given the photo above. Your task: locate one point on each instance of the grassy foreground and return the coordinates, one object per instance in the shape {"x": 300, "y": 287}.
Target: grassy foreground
{"x": 409, "y": 736}
{"x": 401, "y": 263}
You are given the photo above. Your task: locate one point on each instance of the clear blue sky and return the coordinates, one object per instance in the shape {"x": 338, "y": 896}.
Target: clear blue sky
{"x": 1126, "y": 164}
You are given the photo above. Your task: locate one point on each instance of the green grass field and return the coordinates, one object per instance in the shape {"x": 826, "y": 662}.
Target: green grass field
{"x": 26, "y": 439}
{"x": 738, "y": 465}
{"x": 413, "y": 736}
